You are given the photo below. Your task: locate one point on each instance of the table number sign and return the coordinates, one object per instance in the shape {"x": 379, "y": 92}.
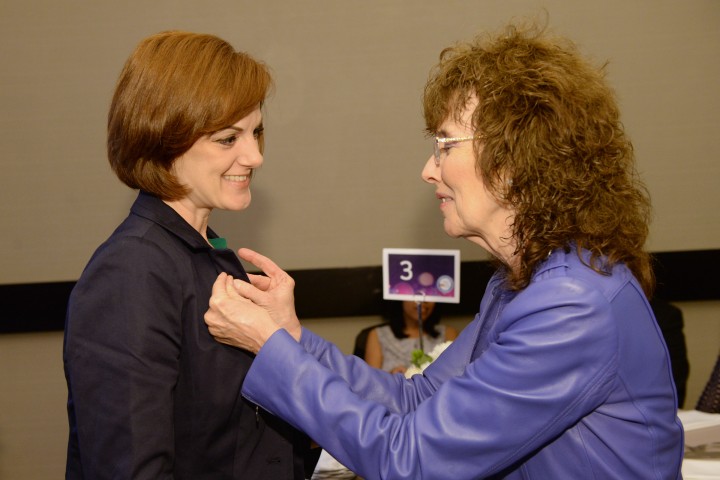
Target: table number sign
{"x": 421, "y": 275}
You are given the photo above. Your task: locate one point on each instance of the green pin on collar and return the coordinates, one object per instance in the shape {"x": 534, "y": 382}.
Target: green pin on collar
{"x": 218, "y": 243}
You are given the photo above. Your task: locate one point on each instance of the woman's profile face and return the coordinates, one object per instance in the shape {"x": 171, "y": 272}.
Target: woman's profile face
{"x": 218, "y": 167}
{"x": 470, "y": 211}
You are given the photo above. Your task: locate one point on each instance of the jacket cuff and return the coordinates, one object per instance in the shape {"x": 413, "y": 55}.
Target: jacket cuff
{"x": 269, "y": 370}
{"x": 310, "y": 341}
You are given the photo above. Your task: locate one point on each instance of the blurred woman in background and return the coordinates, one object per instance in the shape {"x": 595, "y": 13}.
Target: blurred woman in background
{"x": 390, "y": 347}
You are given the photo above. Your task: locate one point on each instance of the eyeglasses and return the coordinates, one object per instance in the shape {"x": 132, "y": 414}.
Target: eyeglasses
{"x": 439, "y": 151}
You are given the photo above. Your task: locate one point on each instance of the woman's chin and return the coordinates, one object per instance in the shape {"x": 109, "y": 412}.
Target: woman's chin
{"x": 237, "y": 205}
{"x": 452, "y": 231}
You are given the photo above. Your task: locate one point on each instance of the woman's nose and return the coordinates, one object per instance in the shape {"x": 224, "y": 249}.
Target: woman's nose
{"x": 429, "y": 171}
{"x": 251, "y": 156}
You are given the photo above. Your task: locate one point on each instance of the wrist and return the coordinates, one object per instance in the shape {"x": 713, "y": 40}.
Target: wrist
{"x": 265, "y": 335}
{"x": 295, "y": 332}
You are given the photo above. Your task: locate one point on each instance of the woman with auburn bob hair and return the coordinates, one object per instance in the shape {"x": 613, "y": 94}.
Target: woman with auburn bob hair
{"x": 150, "y": 393}
{"x": 563, "y": 373}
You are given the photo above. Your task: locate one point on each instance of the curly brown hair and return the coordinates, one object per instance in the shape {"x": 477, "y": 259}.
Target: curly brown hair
{"x": 551, "y": 145}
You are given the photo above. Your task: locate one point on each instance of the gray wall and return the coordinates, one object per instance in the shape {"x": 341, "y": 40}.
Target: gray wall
{"x": 344, "y": 129}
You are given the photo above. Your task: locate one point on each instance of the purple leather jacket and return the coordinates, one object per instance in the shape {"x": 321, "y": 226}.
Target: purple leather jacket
{"x": 566, "y": 379}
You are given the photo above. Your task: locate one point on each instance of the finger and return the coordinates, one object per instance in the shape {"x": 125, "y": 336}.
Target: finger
{"x": 230, "y": 289}
{"x": 210, "y": 318}
{"x": 246, "y": 291}
{"x": 219, "y": 288}
{"x": 261, "y": 261}
{"x": 260, "y": 281}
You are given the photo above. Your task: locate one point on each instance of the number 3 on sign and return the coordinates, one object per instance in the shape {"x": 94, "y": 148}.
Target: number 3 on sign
{"x": 407, "y": 273}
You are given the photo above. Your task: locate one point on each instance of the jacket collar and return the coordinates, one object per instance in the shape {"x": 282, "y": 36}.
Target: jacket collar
{"x": 556, "y": 258}
{"x": 152, "y": 208}
{"x": 566, "y": 257}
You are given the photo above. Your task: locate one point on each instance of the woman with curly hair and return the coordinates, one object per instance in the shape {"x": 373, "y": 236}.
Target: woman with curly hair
{"x": 564, "y": 372}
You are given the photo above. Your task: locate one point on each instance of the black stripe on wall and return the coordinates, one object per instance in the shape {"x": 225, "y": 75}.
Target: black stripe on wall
{"x": 346, "y": 292}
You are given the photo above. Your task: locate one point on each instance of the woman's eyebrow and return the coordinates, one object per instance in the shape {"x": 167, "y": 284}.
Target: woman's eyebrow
{"x": 241, "y": 129}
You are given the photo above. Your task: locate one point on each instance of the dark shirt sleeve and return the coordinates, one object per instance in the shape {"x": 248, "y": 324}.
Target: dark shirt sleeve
{"x": 121, "y": 355}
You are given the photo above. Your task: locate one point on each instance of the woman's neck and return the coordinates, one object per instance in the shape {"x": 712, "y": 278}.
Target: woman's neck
{"x": 196, "y": 217}
{"x": 412, "y": 328}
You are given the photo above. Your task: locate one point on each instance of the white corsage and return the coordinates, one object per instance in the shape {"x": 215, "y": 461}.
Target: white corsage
{"x": 421, "y": 360}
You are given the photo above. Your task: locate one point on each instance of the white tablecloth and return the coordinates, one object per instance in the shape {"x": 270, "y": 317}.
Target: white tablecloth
{"x": 702, "y": 445}
{"x": 329, "y": 468}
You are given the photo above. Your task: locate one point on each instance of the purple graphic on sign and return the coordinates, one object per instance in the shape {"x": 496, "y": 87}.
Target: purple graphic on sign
{"x": 432, "y": 275}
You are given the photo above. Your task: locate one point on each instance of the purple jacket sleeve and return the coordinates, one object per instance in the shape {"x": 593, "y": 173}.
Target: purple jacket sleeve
{"x": 464, "y": 418}
{"x": 374, "y": 384}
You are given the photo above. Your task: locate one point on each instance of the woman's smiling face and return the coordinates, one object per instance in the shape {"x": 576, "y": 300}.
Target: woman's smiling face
{"x": 218, "y": 167}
